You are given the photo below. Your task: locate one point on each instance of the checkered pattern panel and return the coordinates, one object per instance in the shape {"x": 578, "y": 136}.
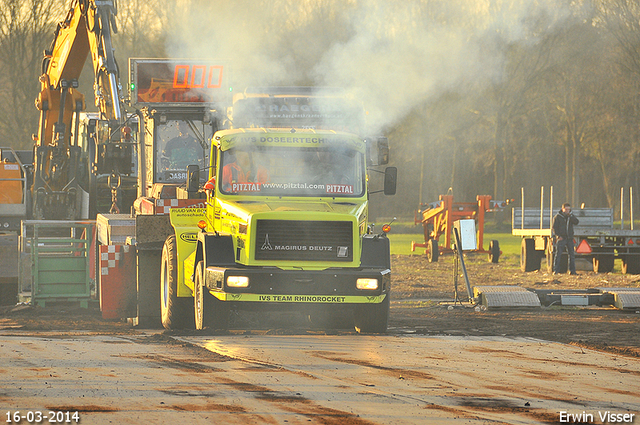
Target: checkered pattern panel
{"x": 110, "y": 256}
{"x": 164, "y": 205}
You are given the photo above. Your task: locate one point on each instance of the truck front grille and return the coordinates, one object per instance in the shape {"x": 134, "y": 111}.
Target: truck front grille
{"x": 304, "y": 240}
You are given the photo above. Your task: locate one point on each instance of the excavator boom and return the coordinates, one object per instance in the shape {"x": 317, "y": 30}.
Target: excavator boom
{"x": 61, "y": 163}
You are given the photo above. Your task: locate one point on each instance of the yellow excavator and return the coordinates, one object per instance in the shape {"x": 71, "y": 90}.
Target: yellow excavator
{"x": 68, "y": 156}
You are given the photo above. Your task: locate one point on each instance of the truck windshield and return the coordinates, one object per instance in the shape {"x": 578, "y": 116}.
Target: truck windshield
{"x": 292, "y": 172}
{"x": 179, "y": 144}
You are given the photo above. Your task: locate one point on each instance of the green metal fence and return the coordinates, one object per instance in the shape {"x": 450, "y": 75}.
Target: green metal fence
{"x": 60, "y": 260}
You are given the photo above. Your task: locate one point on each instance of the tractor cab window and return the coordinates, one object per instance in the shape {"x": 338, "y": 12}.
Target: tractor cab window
{"x": 181, "y": 143}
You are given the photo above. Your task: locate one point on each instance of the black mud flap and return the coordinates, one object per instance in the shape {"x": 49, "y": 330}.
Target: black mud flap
{"x": 375, "y": 252}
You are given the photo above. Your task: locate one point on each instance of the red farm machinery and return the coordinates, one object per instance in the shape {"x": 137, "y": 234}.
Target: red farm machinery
{"x": 438, "y": 218}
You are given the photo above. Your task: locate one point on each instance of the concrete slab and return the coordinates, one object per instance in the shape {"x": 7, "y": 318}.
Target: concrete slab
{"x": 505, "y": 296}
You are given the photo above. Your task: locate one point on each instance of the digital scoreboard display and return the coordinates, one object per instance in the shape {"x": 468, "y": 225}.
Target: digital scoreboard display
{"x": 175, "y": 81}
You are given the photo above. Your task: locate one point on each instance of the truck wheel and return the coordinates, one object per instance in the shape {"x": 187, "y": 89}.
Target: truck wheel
{"x": 494, "y": 251}
{"x": 201, "y": 312}
{"x": 529, "y": 258}
{"x": 432, "y": 251}
{"x": 8, "y": 293}
{"x": 603, "y": 263}
{"x": 208, "y": 310}
{"x": 177, "y": 313}
{"x": 631, "y": 264}
{"x": 548, "y": 257}
{"x": 372, "y": 318}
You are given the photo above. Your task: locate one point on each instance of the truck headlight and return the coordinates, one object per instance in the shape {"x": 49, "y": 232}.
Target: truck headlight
{"x": 237, "y": 281}
{"x": 367, "y": 283}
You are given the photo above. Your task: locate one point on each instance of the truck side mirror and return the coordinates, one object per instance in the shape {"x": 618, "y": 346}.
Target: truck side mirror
{"x": 390, "y": 180}
{"x": 193, "y": 178}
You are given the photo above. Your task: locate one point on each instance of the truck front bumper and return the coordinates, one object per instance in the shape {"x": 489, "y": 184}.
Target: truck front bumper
{"x": 272, "y": 285}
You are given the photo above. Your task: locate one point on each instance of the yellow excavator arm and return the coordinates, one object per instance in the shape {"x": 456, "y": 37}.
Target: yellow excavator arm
{"x": 86, "y": 29}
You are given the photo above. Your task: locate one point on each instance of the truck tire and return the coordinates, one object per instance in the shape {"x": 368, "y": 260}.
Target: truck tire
{"x": 529, "y": 258}
{"x": 201, "y": 311}
{"x": 372, "y": 318}
{"x": 9, "y": 293}
{"x": 494, "y": 251}
{"x": 631, "y": 264}
{"x": 433, "y": 252}
{"x": 603, "y": 263}
{"x": 209, "y": 312}
{"x": 177, "y": 312}
{"x": 548, "y": 256}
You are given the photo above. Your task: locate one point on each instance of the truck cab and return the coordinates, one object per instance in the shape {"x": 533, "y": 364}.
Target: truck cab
{"x": 286, "y": 226}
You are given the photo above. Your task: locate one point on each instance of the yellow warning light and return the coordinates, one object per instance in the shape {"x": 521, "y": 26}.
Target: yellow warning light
{"x": 202, "y": 224}
{"x": 386, "y": 228}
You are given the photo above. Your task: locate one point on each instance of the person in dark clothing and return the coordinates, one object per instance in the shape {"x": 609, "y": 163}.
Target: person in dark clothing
{"x": 182, "y": 150}
{"x": 563, "y": 223}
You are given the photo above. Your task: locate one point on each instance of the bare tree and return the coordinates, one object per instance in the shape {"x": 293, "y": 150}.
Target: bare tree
{"x": 26, "y": 29}
{"x": 525, "y": 67}
{"x": 622, "y": 19}
{"x": 141, "y": 28}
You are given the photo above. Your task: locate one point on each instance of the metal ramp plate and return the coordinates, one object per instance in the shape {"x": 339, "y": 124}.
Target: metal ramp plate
{"x": 624, "y": 298}
{"x": 506, "y": 296}
{"x": 574, "y": 299}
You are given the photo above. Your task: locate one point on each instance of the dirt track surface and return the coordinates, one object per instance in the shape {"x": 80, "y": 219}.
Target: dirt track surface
{"x": 309, "y": 378}
{"x": 419, "y": 286}
{"x": 436, "y": 364}
{"x": 421, "y": 293}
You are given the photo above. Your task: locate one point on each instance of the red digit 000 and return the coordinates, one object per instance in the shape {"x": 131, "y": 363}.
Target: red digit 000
{"x": 197, "y": 76}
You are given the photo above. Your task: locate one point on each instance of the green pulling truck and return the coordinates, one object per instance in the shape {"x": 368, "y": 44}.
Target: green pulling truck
{"x": 286, "y": 226}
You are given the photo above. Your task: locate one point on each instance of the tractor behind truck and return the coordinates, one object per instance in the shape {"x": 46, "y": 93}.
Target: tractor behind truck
{"x": 177, "y": 103}
{"x": 290, "y": 231}
{"x": 438, "y": 218}
{"x": 81, "y": 163}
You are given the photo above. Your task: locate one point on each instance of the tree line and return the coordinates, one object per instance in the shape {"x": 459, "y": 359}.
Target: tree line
{"x": 564, "y": 115}
{"x": 482, "y": 97}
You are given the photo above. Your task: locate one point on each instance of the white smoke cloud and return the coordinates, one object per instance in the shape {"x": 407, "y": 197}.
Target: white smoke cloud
{"x": 242, "y": 33}
{"x": 402, "y": 53}
{"x": 391, "y": 55}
